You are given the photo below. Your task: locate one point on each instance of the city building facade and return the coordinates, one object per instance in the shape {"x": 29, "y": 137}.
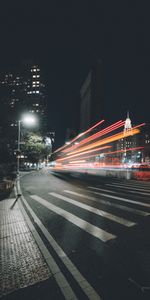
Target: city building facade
{"x": 23, "y": 91}
{"x": 93, "y": 106}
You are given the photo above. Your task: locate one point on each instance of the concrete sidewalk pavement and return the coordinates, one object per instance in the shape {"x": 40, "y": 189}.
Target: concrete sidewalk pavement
{"x": 21, "y": 262}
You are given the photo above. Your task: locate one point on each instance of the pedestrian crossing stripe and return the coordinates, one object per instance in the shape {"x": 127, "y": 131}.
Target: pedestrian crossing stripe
{"x": 95, "y": 210}
{"x": 106, "y": 202}
{"x": 125, "y": 200}
{"x": 139, "y": 191}
{"x": 86, "y": 226}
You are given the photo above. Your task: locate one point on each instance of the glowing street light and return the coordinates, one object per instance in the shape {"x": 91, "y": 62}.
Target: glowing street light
{"x": 28, "y": 120}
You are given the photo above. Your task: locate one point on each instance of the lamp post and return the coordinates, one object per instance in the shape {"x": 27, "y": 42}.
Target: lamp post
{"x": 18, "y": 150}
{"x": 27, "y": 120}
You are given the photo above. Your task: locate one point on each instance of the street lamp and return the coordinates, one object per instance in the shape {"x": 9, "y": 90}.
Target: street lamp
{"x": 27, "y": 120}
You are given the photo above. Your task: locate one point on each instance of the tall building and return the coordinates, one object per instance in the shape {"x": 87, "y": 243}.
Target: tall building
{"x": 144, "y": 141}
{"x": 124, "y": 145}
{"x": 35, "y": 94}
{"x": 23, "y": 91}
{"x": 93, "y": 106}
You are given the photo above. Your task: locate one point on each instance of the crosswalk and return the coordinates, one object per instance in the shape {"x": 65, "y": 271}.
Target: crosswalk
{"x": 103, "y": 212}
{"x": 97, "y": 196}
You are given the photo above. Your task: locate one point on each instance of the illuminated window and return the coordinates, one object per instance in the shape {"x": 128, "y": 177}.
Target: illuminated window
{"x": 37, "y": 92}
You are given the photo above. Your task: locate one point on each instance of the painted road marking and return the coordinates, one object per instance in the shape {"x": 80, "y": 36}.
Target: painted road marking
{"x": 56, "y": 272}
{"x": 95, "y": 210}
{"x": 91, "y": 229}
{"x": 83, "y": 283}
{"x": 130, "y": 189}
{"x": 106, "y": 202}
{"x": 125, "y": 200}
{"x": 99, "y": 189}
{"x": 110, "y": 191}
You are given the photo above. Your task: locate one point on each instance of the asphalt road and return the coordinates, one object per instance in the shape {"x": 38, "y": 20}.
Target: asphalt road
{"x": 97, "y": 231}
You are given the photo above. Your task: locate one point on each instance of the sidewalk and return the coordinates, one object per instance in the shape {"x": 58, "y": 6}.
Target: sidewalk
{"x": 21, "y": 262}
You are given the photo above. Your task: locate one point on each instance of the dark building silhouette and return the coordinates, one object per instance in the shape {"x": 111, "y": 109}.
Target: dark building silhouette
{"x": 93, "y": 106}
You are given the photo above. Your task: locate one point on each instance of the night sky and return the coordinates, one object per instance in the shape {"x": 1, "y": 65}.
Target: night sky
{"x": 66, "y": 37}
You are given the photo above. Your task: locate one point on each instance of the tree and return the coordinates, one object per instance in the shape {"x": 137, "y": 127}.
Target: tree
{"x": 35, "y": 148}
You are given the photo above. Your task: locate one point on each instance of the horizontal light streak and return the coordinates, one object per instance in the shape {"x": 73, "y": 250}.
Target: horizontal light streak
{"x": 124, "y": 150}
{"x": 108, "y": 129}
{"x": 107, "y": 140}
{"x": 113, "y": 152}
{"x": 89, "y": 151}
{"x": 80, "y": 135}
{"x": 77, "y": 161}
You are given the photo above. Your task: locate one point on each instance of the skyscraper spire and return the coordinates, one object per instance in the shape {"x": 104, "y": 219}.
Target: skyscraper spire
{"x": 127, "y": 125}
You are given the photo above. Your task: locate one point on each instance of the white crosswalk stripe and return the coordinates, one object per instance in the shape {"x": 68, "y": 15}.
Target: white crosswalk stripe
{"x": 124, "y": 199}
{"x": 89, "y": 228}
{"x": 95, "y": 210}
{"x": 106, "y": 202}
{"x": 99, "y": 189}
{"x": 141, "y": 185}
{"x": 58, "y": 275}
{"x": 130, "y": 189}
{"x": 113, "y": 192}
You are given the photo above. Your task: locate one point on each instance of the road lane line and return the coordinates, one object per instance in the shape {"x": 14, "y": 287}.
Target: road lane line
{"x": 125, "y": 200}
{"x": 99, "y": 189}
{"x": 110, "y": 191}
{"x": 83, "y": 283}
{"x": 94, "y": 210}
{"x": 91, "y": 229}
{"x": 135, "y": 184}
{"x": 106, "y": 202}
{"x": 130, "y": 188}
{"x": 55, "y": 271}
{"x": 130, "y": 185}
